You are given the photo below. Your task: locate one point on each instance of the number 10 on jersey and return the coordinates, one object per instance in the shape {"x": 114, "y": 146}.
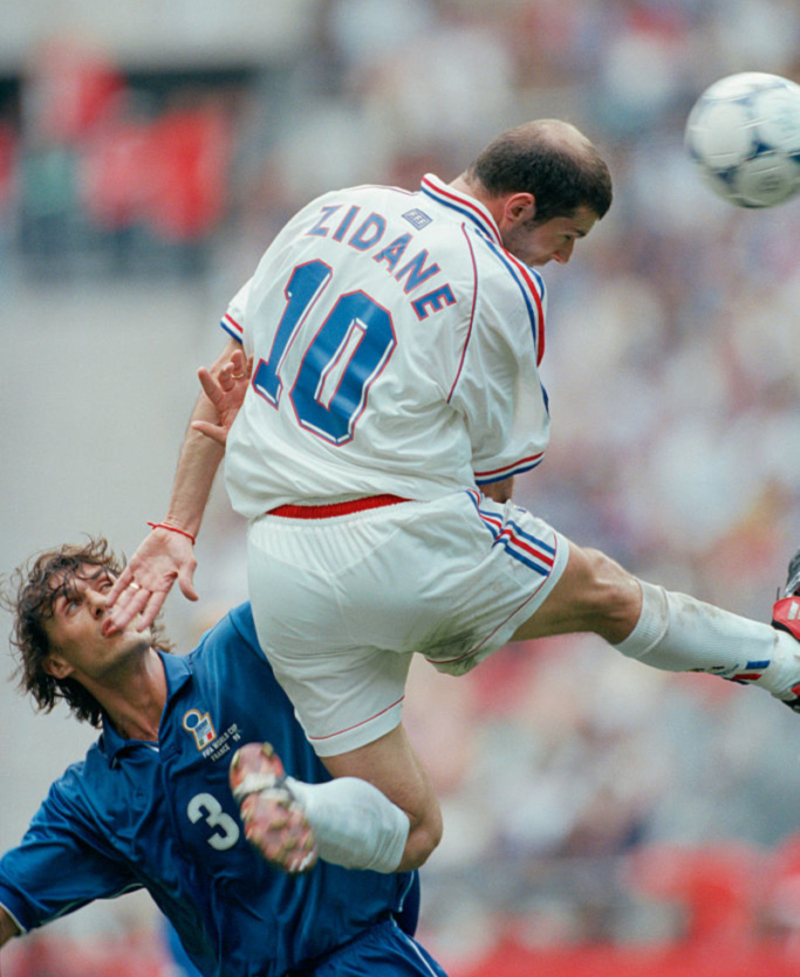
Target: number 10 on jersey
{"x": 342, "y": 356}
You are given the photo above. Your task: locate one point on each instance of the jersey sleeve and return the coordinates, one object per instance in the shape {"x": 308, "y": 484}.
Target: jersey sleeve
{"x": 58, "y": 867}
{"x": 233, "y": 320}
{"x": 498, "y": 389}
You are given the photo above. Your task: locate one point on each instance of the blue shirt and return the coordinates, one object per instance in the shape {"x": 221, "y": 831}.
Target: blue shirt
{"x": 160, "y": 816}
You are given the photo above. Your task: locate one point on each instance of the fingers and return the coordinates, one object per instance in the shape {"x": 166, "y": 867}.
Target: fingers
{"x": 120, "y": 584}
{"x": 238, "y": 369}
{"x": 227, "y": 377}
{"x": 216, "y": 387}
{"x": 152, "y": 608}
{"x": 216, "y": 433}
{"x": 186, "y": 583}
{"x": 209, "y": 385}
{"x": 242, "y": 368}
{"x": 135, "y": 602}
{"x": 130, "y": 602}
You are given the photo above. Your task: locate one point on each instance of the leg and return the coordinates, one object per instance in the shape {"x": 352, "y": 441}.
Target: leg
{"x": 380, "y": 812}
{"x": 392, "y": 765}
{"x": 593, "y": 594}
{"x": 341, "y": 651}
{"x": 384, "y": 783}
{"x": 667, "y": 630}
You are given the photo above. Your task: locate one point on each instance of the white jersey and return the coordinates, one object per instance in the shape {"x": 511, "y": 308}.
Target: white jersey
{"x": 396, "y": 346}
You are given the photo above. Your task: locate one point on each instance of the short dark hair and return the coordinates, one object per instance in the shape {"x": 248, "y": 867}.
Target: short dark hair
{"x": 553, "y": 161}
{"x": 30, "y": 595}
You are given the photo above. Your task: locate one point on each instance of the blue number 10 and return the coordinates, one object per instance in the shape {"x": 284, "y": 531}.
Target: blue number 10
{"x": 347, "y": 353}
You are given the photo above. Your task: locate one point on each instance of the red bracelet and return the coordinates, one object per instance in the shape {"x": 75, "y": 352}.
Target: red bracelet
{"x": 172, "y": 529}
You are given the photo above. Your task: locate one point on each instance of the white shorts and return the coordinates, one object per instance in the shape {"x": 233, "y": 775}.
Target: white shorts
{"x": 341, "y": 603}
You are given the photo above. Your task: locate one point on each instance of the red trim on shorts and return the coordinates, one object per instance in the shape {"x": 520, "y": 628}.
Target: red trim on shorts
{"x": 317, "y": 739}
{"x": 335, "y": 508}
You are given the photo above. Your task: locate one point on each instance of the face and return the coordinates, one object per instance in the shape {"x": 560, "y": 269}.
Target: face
{"x": 79, "y": 647}
{"x": 536, "y": 244}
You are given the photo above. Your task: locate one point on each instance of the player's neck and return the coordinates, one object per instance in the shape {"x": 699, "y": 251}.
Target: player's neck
{"x": 135, "y": 701}
{"x": 463, "y": 185}
{"x": 476, "y": 190}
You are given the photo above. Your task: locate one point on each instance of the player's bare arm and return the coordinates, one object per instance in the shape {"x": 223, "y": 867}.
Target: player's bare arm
{"x": 8, "y": 927}
{"x": 167, "y": 553}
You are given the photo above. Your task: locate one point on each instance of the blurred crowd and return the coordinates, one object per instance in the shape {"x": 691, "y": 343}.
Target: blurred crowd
{"x": 672, "y": 364}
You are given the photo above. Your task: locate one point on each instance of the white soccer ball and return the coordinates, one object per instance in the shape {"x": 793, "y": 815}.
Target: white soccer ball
{"x": 744, "y": 134}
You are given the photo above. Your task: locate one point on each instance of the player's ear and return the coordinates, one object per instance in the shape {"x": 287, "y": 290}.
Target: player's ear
{"x": 519, "y": 208}
{"x": 57, "y": 666}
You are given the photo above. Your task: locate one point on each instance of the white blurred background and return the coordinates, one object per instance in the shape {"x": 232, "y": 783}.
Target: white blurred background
{"x": 148, "y": 154}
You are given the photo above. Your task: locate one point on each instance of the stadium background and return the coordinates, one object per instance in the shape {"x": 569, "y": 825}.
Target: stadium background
{"x": 600, "y": 817}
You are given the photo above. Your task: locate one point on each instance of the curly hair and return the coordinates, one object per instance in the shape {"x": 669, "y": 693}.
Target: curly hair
{"x": 30, "y": 595}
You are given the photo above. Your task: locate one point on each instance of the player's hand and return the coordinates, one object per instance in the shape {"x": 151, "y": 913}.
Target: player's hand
{"x": 226, "y": 392}
{"x": 142, "y": 587}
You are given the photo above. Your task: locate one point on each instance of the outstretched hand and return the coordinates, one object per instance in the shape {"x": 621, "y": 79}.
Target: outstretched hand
{"x": 141, "y": 589}
{"x": 167, "y": 554}
{"x": 226, "y": 392}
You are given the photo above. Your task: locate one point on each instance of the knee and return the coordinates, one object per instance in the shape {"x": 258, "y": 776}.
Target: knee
{"x": 610, "y": 598}
{"x": 423, "y": 838}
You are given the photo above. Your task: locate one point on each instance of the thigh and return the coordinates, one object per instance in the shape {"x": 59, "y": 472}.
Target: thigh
{"x": 453, "y": 579}
{"x": 593, "y": 594}
{"x": 501, "y": 564}
{"x": 383, "y": 951}
{"x": 341, "y": 604}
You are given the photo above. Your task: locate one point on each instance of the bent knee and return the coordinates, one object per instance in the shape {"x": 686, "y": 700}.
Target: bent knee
{"x": 601, "y": 572}
{"x": 607, "y": 597}
{"x": 594, "y": 594}
{"x": 421, "y": 843}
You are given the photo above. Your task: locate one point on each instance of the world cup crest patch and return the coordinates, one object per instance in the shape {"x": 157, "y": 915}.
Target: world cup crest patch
{"x": 200, "y": 726}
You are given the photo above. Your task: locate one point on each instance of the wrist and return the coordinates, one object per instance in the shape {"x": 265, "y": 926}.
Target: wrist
{"x": 172, "y": 529}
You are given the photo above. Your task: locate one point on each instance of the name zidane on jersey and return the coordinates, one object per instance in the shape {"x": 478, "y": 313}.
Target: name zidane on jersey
{"x": 368, "y": 235}
{"x": 205, "y": 737}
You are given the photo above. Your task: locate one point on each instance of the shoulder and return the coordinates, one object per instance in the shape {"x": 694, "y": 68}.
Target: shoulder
{"x": 365, "y": 197}
{"x": 232, "y": 635}
{"x": 74, "y": 790}
{"x": 236, "y": 627}
{"x": 239, "y": 626}
{"x": 506, "y": 274}
{"x": 509, "y": 291}
{"x": 231, "y": 651}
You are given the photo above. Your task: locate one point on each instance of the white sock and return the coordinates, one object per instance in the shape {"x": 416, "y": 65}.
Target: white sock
{"x": 677, "y": 633}
{"x": 355, "y": 825}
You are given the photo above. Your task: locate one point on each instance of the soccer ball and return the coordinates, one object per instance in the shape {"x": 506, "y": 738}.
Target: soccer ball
{"x": 744, "y": 134}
